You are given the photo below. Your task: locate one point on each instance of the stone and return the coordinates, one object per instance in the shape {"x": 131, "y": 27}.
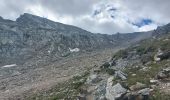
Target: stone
{"x": 133, "y": 74}
{"x": 164, "y": 55}
{"x": 145, "y": 91}
{"x": 112, "y": 63}
{"x": 156, "y": 57}
{"x": 166, "y": 70}
{"x": 161, "y": 75}
{"x": 137, "y": 86}
{"x": 153, "y": 87}
{"x": 100, "y": 91}
{"x": 81, "y": 97}
{"x": 93, "y": 79}
{"x": 114, "y": 91}
{"x": 121, "y": 75}
{"x": 105, "y": 65}
{"x": 153, "y": 81}
{"x": 102, "y": 98}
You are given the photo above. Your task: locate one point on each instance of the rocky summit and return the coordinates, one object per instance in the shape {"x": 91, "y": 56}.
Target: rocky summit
{"x": 45, "y": 60}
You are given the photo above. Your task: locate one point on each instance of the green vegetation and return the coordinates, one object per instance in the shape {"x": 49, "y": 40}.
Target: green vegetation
{"x": 144, "y": 76}
{"x": 147, "y": 46}
{"x": 110, "y": 71}
{"x": 157, "y": 95}
{"x": 120, "y": 54}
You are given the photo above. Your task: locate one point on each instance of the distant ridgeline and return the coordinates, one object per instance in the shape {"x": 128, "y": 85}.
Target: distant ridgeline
{"x": 32, "y": 36}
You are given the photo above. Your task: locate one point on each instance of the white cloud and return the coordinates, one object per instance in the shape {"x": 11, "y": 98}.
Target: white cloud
{"x": 148, "y": 27}
{"x": 80, "y": 13}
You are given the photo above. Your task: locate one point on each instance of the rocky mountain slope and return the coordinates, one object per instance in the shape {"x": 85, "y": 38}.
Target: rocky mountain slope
{"x": 37, "y": 54}
{"x": 139, "y": 72}
{"x": 31, "y": 36}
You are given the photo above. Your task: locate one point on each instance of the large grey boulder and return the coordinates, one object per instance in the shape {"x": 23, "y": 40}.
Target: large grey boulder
{"x": 114, "y": 91}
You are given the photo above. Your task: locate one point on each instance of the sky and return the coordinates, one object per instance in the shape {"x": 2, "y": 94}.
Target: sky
{"x": 97, "y": 16}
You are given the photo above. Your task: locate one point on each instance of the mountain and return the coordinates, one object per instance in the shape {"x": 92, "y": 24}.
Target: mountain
{"x": 138, "y": 72}
{"x": 31, "y": 36}
{"x": 37, "y": 53}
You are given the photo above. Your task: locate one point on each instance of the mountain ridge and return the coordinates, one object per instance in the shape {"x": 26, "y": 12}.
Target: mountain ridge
{"x": 30, "y": 32}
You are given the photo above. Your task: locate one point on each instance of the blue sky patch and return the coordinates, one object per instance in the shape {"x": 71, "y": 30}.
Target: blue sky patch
{"x": 143, "y": 22}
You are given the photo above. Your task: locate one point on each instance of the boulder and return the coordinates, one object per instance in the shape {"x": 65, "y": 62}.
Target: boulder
{"x": 121, "y": 75}
{"x": 100, "y": 91}
{"x": 156, "y": 58}
{"x": 112, "y": 63}
{"x": 142, "y": 94}
{"x": 137, "y": 86}
{"x": 105, "y": 65}
{"x": 114, "y": 91}
{"x": 161, "y": 75}
{"x": 93, "y": 79}
{"x": 153, "y": 81}
{"x": 165, "y": 73}
{"x": 144, "y": 91}
{"x": 102, "y": 98}
{"x": 166, "y": 70}
{"x": 164, "y": 55}
{"x": 81, "y": 97}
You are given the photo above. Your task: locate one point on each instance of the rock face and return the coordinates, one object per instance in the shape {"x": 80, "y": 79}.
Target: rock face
{"x": 114, "y": 92}
{"x": 31, "y": 36}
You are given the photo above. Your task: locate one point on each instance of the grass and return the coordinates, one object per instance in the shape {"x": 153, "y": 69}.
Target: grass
{"x": 120, "y": 54}
{"x": 157, "y": 95}
{"x": 144, "y": 76}
{"x": 146, "y": 46}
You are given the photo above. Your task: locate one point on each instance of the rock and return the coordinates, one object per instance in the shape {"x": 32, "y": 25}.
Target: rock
{"x": 133, "y": 74}
{"x": 100, "y": 91}
{"x": 142, "y": 94}
{"x": 105, "y": 65}
{"x": 164, "y": 55}
{"x": 165, "y": 73}
{"x": 153, "y": 87}
{"x": 137, "y": 86}
{"x": 153, "y": 81}
{"x": 93, "y": 79}
{"x": 156, "y": 58}
{"x": 114, "y": 92}
{"x": 145, "y": 91}
{"x": 166, "y": 70}
{"x": 102, "y": 98}
{"x": 112, "y": 63}
{"x": 97, "y": 70}
{"x": 81, "y": 97}
{"x": 121, "y": 75}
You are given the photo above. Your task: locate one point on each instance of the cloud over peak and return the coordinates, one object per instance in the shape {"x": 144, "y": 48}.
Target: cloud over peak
{"x": 98, "y": 16}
